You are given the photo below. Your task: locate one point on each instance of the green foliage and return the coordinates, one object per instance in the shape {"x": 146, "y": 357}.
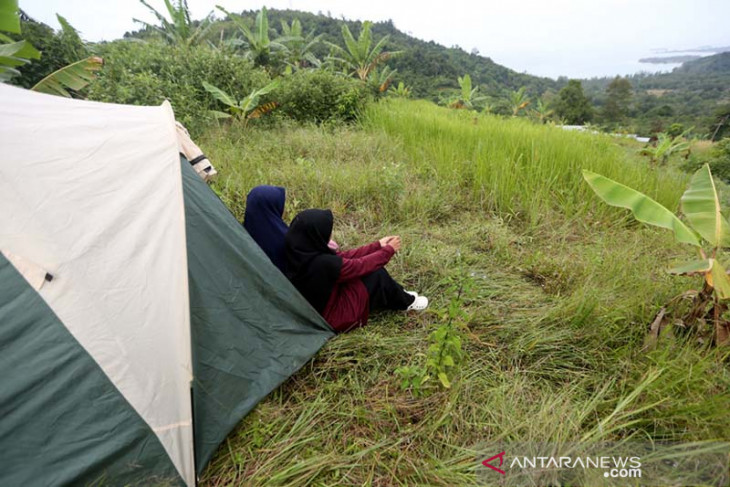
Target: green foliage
{"x": 665, "y": 147}
{"x": 444, "y": 353}
{"x": 542, "y": 111}
{"x": 572, "y": 104}
{"x": 701, "y": 208}
{"x": 247, "y": 107}
{"x": 12, "y": 54}
{"x": 718, "y": 160}
{"x": 259, "y": 47}
{"x": 149, "y": 73}
{"x": 179, "y": 30}
{"x": 359, "y": 57}
{"x": 618, "y": 100}
{"x": 299, "y": 48}
{"x": 400, "y": 91}
{"x": 518, "y": 101}
{"x": 76, "y": 76}
{"x": 320, "y": 96}
{"x": 468, "y": 96}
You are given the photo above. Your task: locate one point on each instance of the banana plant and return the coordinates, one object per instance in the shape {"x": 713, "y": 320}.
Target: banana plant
{"x": 180, "y": 30}
{"x": 706, "y": 229}
{"x": 359, "y": 59}
{"x": 400, "y": 91}
{"x": 75, "y": 76}
{"x": 541, "y": 112}
{"x": 12, "y": 54}
{"x": 518, "y": 101}
{"x": 665, "y": 147}
{"x": 299, "y": 47}
{"x": 247, "y": 108}
{"x": 468, "y": 96}
{"x": 259, "y": 45}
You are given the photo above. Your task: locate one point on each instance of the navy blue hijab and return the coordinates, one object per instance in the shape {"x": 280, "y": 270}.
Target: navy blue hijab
{"x": 262, "y": 220}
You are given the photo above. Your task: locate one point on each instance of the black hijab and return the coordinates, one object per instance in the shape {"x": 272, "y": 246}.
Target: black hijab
{"x": 312, "y": 266}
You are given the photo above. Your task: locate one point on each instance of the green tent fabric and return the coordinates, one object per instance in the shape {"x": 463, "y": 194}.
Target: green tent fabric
{"x": 251, "y": 329}
{"x": 139, "y": 322}
{"x": 62, "y": 422}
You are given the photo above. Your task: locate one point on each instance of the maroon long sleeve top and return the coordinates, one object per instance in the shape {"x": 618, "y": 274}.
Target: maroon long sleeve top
{"x": 349, "y": 303}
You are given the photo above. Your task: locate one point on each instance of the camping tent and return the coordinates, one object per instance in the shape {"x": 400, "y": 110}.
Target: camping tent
{"x": 138, "y": 321}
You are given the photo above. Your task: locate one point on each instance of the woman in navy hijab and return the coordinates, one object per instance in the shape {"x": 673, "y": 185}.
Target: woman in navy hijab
{"x": 263, "y": 221}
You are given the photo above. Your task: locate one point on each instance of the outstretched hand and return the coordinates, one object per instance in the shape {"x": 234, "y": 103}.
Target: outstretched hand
{"x": 393, "y": 240}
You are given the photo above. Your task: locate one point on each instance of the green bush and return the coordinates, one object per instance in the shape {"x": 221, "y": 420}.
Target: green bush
{"x": 147, "y": 73}
{"x": 320, "y": 96}
{"x": 719, "y": 161}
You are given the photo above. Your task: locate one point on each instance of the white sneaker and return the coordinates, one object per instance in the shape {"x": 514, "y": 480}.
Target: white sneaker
{"x": 418, "y": 304}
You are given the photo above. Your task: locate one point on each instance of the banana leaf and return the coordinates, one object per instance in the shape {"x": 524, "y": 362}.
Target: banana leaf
{"x": 219, "y": 94}
{"x": 75, "y": 76}
{"x": 18, "y": 53}
{"x": 701, "y": 206}
{"x": 9, "y": 18}
{"x": 695, "y": 267}
{"x": 645, "y": 209}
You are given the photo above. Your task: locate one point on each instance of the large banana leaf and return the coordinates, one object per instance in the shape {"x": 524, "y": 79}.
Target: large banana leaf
{"x": 701, "y": 206}
{"x": 9, "y": 19}
{"x": 75, "y": 76}
{"x": 645, "y": 209}
{"x": 220, "y": 95}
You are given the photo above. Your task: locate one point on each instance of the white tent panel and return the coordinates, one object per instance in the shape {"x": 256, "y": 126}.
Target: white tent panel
{"x": 92, "y": 193}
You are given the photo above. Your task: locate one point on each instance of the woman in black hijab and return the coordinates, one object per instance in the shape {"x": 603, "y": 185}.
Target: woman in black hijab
{"x": 343, "y": 286}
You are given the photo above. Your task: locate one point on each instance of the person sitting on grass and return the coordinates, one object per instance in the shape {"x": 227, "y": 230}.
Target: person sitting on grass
{"x": 264, "y": 221}
{"x": 343, "y": 286}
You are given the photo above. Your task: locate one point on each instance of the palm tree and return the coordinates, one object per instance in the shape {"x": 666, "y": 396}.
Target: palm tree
{"x": 358, "y": 58}
{"x": 299, "y": 47}
{"x": 181, "y": 31}
{"x": 259, "y": 46}
{"x": 518, "y": 101}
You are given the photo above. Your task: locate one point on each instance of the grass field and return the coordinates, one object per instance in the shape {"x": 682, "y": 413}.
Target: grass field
{"x": 561, "y": 289}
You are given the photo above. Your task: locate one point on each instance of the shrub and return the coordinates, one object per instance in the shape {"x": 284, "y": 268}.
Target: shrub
{"x": 719, "y": 161}
{"x": 147, "y": 73}
{"x": 320, "y": 96}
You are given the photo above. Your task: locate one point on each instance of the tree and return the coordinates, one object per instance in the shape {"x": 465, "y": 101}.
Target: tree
{"x": 358, "y": 58}
{"x": 181, "y": 31}
{"x": 618, "y": 99}
{"x": 572, "y": 104}
{"x": 720, "y": 126}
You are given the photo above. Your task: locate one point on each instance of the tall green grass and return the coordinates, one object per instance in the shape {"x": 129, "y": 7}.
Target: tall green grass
{"x": 563, "y": 288}
{"x": 513, "y": 166}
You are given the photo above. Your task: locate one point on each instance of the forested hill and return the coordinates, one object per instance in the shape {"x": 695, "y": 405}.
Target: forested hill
{"x": 428, "y": 68}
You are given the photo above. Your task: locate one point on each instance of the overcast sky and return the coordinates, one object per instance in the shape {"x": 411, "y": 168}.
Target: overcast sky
{"x": 575, "y": 38}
